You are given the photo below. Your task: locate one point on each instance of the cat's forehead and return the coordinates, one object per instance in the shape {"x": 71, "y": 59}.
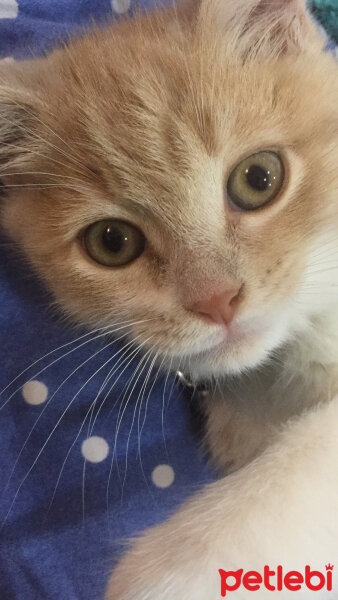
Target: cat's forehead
{"x": 164, "y": 120}
{"x": 170, "y": 101}
{"x": 168, "y": 134}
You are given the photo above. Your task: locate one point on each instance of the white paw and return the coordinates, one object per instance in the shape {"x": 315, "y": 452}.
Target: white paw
{"x": 160, "y": 567}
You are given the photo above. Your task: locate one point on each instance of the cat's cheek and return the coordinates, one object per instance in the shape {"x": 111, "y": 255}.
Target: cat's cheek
{"x": 127, "y": 291}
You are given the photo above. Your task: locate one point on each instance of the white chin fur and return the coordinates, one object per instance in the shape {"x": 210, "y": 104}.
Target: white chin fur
{"x": 232, "y": 358}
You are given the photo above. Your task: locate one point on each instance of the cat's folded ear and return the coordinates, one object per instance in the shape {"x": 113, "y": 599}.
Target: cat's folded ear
{"x": 259, "y": 27}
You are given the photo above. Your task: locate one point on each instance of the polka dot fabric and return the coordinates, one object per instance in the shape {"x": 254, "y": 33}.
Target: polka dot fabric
{"x": 95, "y": 449}
{"x": 9, "y": 9}
{"x": 32, "y": 27}
{"x": 35, "y": 392}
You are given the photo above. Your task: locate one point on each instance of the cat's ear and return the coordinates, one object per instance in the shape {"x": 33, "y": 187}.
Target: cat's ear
{"x": 276, "y": 26}
{"x": 260, "y": 26}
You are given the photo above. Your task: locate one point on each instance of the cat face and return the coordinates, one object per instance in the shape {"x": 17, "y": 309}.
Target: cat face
{"x": 179, "y": 172}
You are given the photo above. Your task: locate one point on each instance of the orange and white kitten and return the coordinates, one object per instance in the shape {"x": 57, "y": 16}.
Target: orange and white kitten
{"x": 182, "y": 167}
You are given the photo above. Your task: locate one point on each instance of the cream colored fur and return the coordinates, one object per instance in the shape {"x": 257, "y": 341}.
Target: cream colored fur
{"x": 280, "y": 509}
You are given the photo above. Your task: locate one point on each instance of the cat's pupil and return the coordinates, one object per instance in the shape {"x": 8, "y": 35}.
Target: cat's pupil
{"x": 113, "y": 239}
{"x": 258, "y": 178}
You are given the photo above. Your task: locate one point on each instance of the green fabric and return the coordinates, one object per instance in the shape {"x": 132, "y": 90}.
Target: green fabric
{"x": 326, "y": 12}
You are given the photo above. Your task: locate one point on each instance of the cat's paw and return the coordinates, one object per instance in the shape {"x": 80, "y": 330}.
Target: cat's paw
{"x": 158, "y": 567}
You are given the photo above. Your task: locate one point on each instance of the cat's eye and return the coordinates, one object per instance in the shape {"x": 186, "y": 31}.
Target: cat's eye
{"x": 114, "y": 243}
{"x": 256, "y": 181}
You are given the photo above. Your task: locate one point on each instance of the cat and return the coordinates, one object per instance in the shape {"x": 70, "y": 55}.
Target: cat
{"x": 180, "y": 167}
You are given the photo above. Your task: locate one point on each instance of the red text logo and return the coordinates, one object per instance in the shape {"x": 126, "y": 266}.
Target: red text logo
{"x": 277, "y": 579}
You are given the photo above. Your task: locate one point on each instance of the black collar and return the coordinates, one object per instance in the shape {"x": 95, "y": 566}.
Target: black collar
{"x": 200, "y": 389}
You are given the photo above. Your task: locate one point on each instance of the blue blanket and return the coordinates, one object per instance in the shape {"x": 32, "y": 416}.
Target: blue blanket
{"x": 88, "y": 457}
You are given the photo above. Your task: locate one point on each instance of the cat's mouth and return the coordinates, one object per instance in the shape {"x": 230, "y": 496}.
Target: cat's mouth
{"x": 242, "y": 333}
{"x": 243, "y": 346}
{"x": 205, "y": 351}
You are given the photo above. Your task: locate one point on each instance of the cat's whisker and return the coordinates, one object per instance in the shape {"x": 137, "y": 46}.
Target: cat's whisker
{"x": 148, "y": 356}
{"x": 330, "y": 291}
{"x": 139, "y": 454}
{"x": 119, "y": 363}
{"x": 163, "y": 407}
{"x": 144, "y": 386}
{"x": 60, "y": 387}
{"x": 318, "y": 285}
{"x": 50, "y": 436}
{"x": 325, "y": 251}
{"x": 48, "y": 403}
{"x": 189, "y": 361}
{"x": 214, "y": 391}
{"x": 326, "y": 270}
{"x": 56, "y": 360}
{"x": 83, "y": 424}
{"x": 140, "y": 430}
{"x": 35, "y": 153}
{"x": 136, "y": 375}
{"x": 101, "y": 389}
{"x": 173, "y": 384}
{"x": 56, "y": 175}
{"x": 67, "y": 456}
{"x": 149, "y": 394}
{"x": 85, "y": 335}
{"x": 63, "y": 152}
{"x": 111, "y": 330}
{"x": 121, "y": 412}
{"x": 132, "y": 356}
{"x": 36, "y": 136}
{"x": 115, "y": 440}
{"x": 41, "y": 186}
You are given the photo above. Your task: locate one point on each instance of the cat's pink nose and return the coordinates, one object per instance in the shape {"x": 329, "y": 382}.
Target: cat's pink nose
{"x": 219, "y": 308}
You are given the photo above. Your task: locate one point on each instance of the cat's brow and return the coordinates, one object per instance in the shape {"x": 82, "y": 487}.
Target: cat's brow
{"x": 144, "y": 207}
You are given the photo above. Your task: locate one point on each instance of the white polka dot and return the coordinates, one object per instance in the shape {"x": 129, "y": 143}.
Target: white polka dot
{"x": 9, "y": 9}
{"x": 120, "y": 6}
{"x": 163, "y": 476}
{"x": 35, "y": 392}
{"x": 95, "y": 449}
